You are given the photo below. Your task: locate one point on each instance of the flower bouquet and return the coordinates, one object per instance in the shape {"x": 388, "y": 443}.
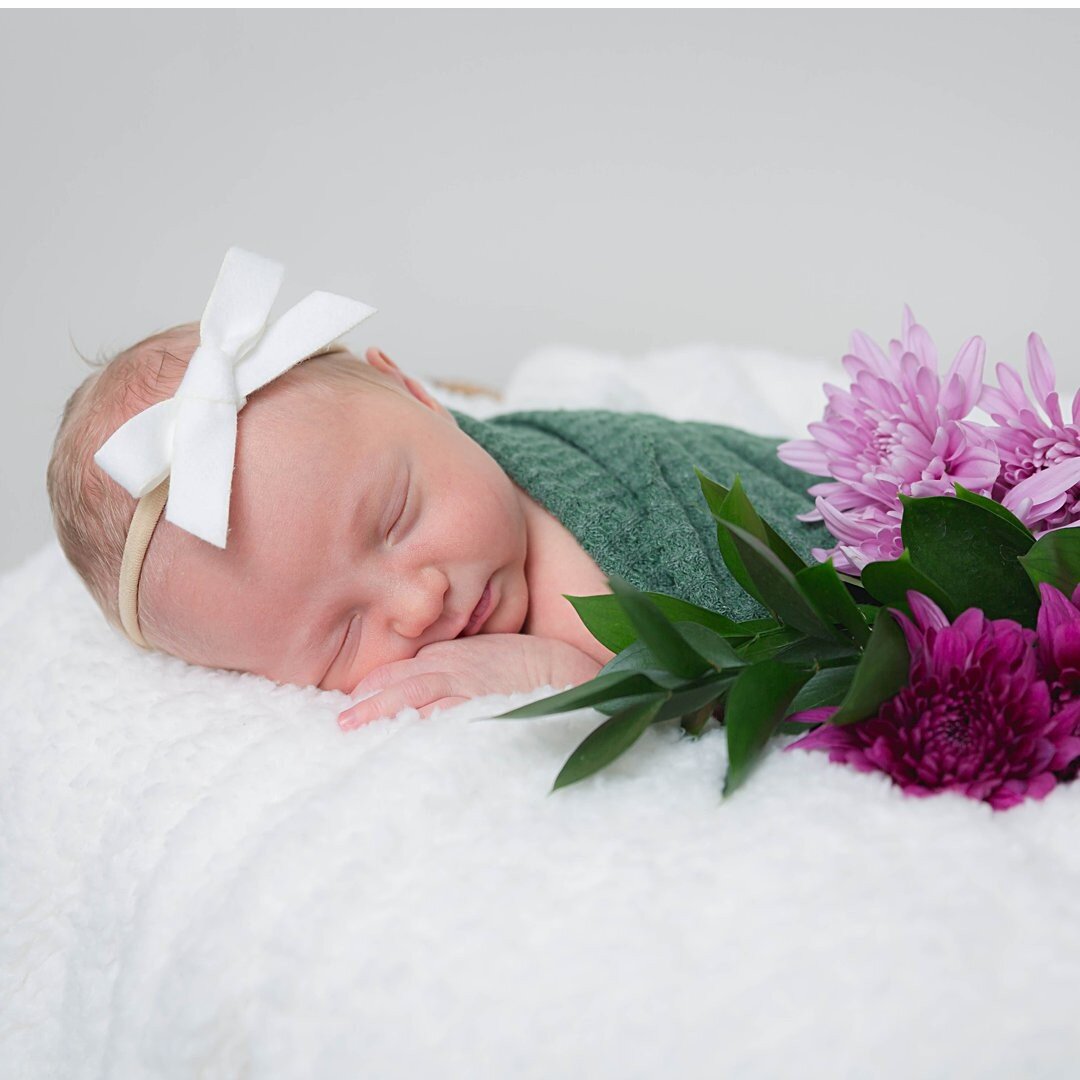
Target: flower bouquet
{"x": 938, "y": 641}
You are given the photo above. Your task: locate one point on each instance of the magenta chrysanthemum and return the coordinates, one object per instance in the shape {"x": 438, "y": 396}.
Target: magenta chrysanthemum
{"x": 1058, "y": 628}
{"x": 1059, "y": 652}
{"x": 899, "y": 429}
{"x": 976, "y": 717}
{"x": 1039, "y": 451}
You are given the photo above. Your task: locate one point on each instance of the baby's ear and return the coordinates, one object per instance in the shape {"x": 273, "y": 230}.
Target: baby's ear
{"x": 381, "y": 362}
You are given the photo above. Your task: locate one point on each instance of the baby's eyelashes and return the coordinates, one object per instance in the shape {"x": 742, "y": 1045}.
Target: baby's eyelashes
{"x": 401, "y": 513}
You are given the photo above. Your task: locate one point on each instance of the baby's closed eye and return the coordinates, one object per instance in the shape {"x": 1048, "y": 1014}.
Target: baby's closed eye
{"x": 399, "y": 517}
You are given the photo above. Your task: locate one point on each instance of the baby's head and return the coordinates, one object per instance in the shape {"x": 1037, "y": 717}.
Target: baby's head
{"x": 363, "y": 523}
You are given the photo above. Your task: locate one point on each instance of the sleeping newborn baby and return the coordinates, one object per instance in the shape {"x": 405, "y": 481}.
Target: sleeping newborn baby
{"x": 382, "y": 545}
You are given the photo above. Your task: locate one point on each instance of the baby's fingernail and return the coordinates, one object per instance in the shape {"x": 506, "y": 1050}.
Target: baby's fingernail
{"x": 351, "y": 717}
{"x": 348, "y": 720}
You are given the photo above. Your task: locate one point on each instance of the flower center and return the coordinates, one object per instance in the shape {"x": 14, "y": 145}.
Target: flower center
{"x": 956, "y": 729}
{"x": 882, "y": 443}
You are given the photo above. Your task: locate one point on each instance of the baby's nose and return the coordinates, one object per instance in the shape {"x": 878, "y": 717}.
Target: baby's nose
{"x": 420, "y": 604}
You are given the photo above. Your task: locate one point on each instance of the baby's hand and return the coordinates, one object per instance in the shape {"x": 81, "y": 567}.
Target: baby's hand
{"x": 447, "y": 673}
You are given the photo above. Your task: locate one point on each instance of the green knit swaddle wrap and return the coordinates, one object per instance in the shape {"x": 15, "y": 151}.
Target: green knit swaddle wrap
{"x": 624, "y": 485}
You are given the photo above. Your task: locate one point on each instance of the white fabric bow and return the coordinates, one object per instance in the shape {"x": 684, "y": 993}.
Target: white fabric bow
{"x": 191, "y": 437}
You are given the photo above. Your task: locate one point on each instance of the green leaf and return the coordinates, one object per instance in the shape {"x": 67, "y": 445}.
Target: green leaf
{"x": 766, "y": 645}
{"x": 638, "y": 657}
{"x": 604, "y": 618}
{"x": 737, "y": 511}
{"x": 693, "y": 723}
{"x": 782, "y": 549}
{"x": 729, "y": 552}
{"x": 684, "y": 699}
{"x": 1055, "y": 559}
{"x": 813, "y": 652}
{"x": 735, "y": 506}
{"x": 603, "y": 688}
{"x": 823, "y": 586}
{"x": 714, "y": 493}
{"x": 890, "y": 581}
{"x": 755, "y": 705}
{"x": 777, "y": 585}
{"x": 751, "y": 628}
{"x": 607, "y": 621}
{"x": 972, "y": 553}
{"x": 714, "y": 648}
{"x": 678, "y": 610}
{"x": 668, "y": 645}
{"x": 692, "y": 698}
{"x": 881, "y": 674}
{"x": 795, "y": 727}
{"x": 608, "y": 741}
{"x": 995, "y": 508}
{"x": 829, "y": 686}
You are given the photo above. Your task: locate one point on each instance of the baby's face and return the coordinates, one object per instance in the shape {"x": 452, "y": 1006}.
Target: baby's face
{"x": 361, "y": 530}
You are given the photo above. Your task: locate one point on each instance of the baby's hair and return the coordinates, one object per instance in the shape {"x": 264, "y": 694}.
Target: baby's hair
{"x": 91, "y": 512}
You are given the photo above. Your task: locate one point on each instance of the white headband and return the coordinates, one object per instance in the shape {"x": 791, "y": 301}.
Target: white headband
{"x": 183, "y": 448}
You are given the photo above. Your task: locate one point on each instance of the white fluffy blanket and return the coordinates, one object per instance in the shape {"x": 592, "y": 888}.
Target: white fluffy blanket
{"x": 201, "y": 876}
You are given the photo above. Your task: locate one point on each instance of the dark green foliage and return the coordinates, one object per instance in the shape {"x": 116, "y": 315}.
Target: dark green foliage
{"x": 824, "y": 647}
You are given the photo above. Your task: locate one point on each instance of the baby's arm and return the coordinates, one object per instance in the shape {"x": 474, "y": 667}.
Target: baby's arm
{"x": 447, "y": 673}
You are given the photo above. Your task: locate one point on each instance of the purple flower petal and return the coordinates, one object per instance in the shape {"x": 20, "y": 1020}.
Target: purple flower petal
{"x": 928, "y": 616}
{"x": 1012, "y": 386}
{"x": 968, "y": 369}
{"x": 1041, "y": 372}
{"x": 897, "y": 430}
{"x": 920, "y": 343}
{"x": 804, "y": 454}
{"x": 813, "y": 716}
{"x": 977, "y": 716}
{"x": 1056, "y": 610}
{"x": 907, "y": 321}
{"x": 867, "y": 349}
{"x": 1045, "y": 485}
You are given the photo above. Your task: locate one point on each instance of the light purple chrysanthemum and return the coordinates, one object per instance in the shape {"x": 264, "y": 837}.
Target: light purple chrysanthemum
{"x": 1040, "y": 452}
{"x": 899, "y": 429}
{"x": 976, "y": 717}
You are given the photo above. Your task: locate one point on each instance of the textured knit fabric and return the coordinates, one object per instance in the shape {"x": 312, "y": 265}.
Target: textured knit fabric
{"x": 624, "y": 485}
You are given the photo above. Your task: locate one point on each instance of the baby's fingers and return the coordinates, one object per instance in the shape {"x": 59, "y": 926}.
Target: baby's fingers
{"x": 446, "y": 703}
{"x": 414, "y": 692}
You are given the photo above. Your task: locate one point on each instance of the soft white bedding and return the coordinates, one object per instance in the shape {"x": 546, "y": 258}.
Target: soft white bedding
{"x": 201, "y": 876}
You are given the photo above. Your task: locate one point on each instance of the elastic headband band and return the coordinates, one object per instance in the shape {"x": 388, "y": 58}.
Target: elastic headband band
{"x": 147, "y": 514}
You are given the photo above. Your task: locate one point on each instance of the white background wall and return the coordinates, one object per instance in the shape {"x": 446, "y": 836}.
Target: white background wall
{"x": 494, "y": 181}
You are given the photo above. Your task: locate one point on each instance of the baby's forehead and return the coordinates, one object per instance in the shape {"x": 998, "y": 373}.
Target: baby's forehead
{"x": 333, "y": 416}
{"x": 321, "y": 426}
